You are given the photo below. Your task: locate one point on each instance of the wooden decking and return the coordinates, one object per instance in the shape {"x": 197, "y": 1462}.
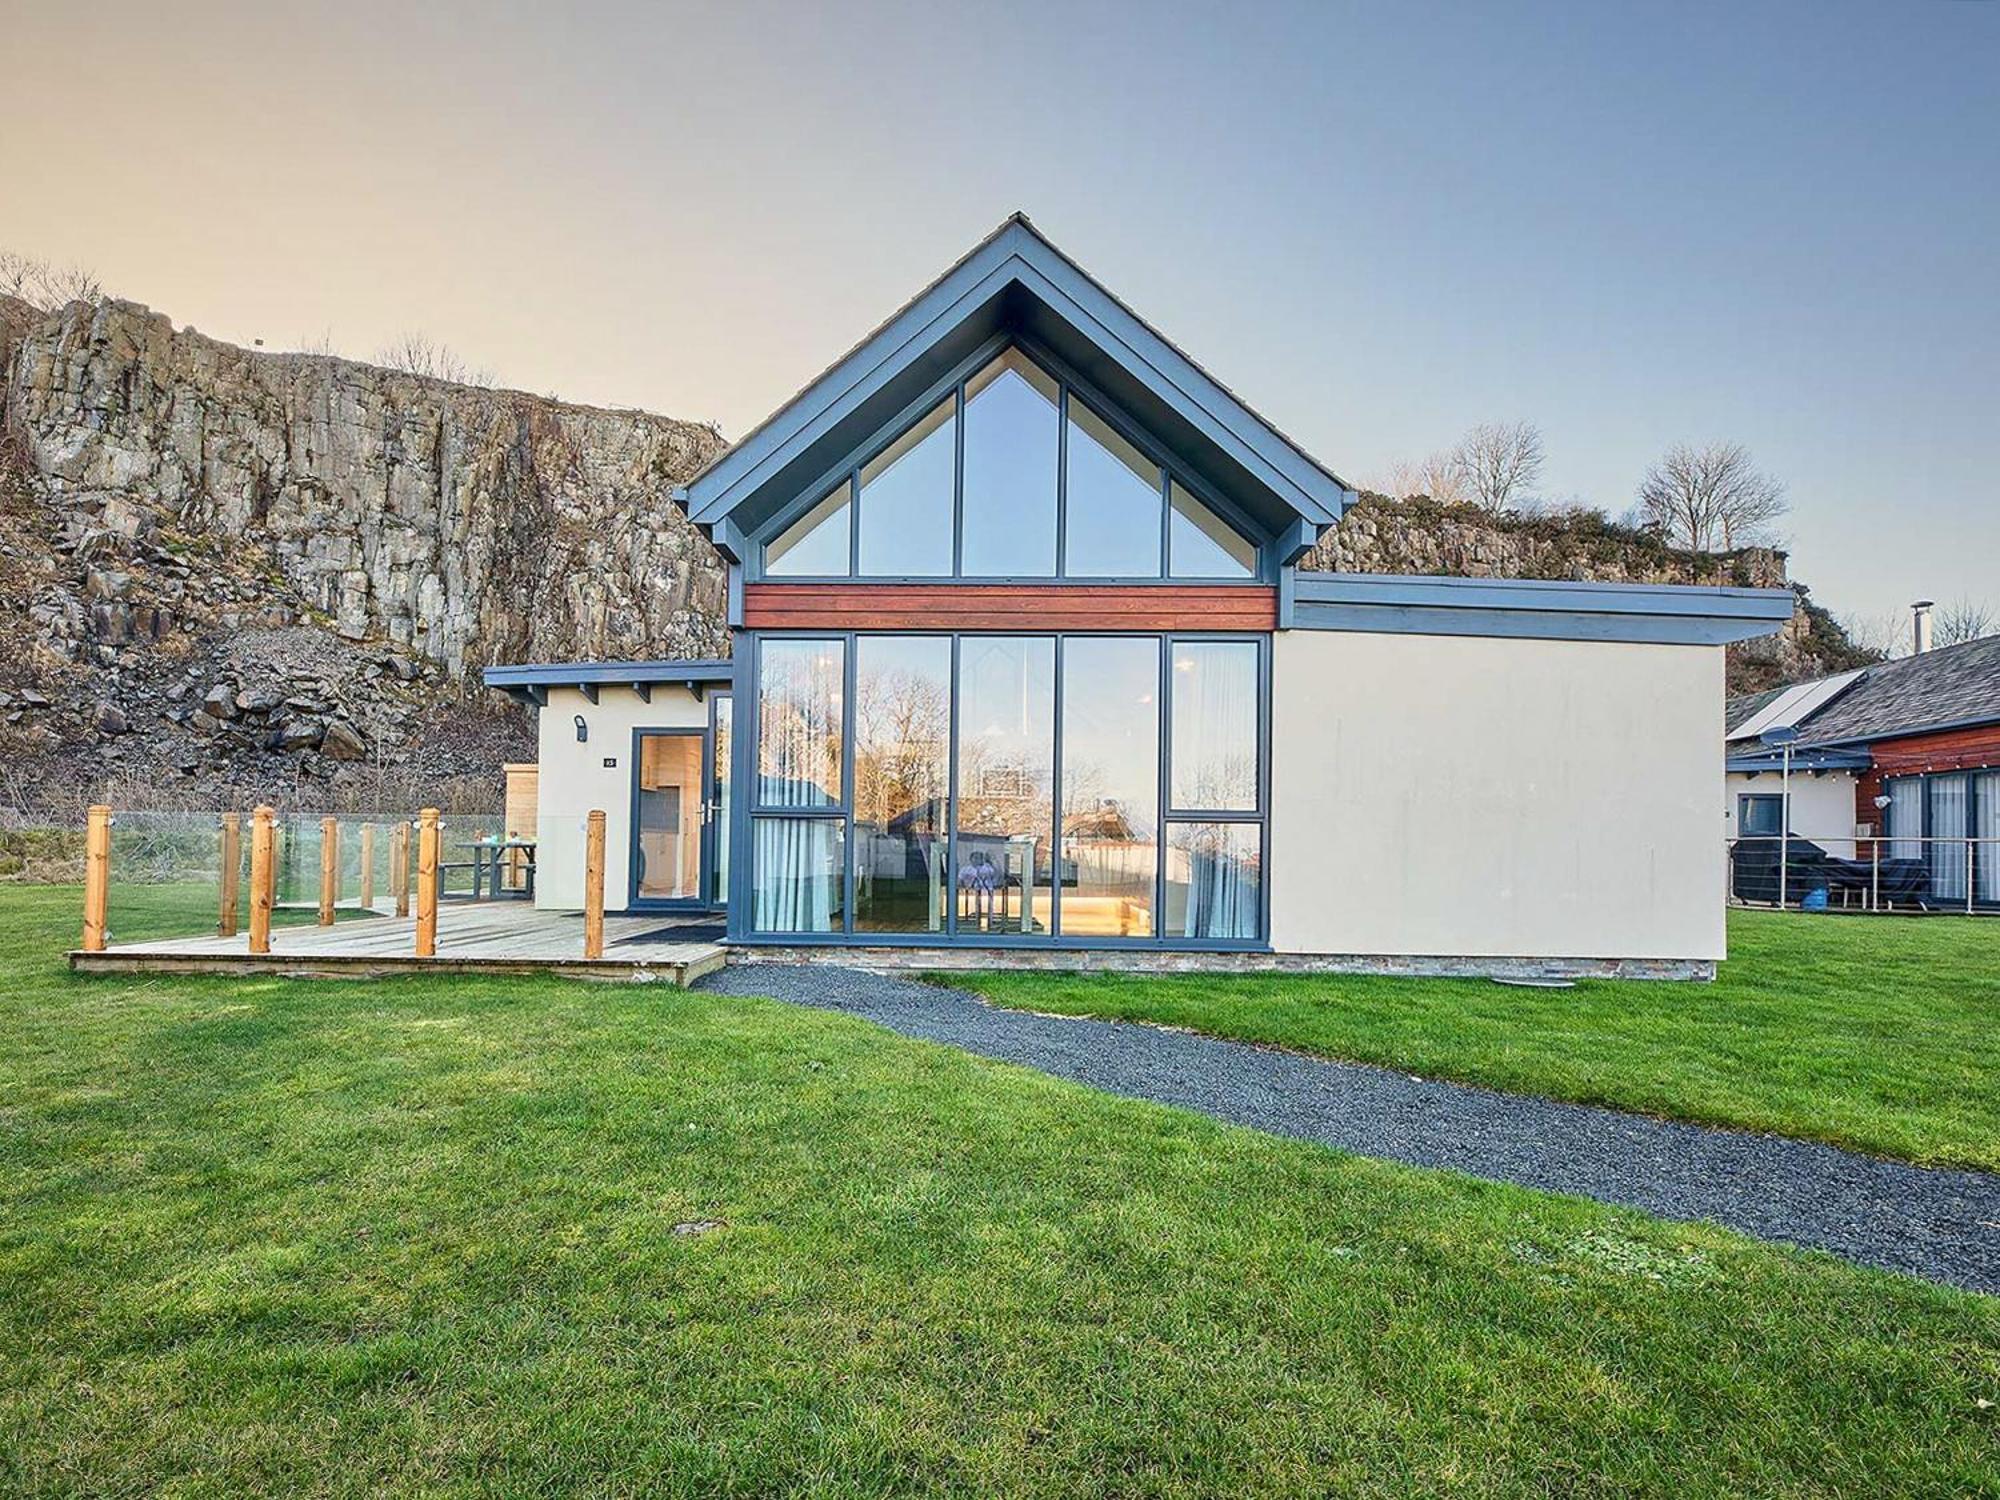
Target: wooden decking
{"x": 494, "y": 937}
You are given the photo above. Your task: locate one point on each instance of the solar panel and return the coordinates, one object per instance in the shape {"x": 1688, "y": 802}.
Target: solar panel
{"x": 1795, "y": 704}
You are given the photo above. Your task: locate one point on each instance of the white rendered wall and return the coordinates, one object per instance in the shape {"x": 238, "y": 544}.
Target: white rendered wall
{"x": 1466, "y": 796}
{"x": 1822, "y": 806}
{"x": 574, "y": 779}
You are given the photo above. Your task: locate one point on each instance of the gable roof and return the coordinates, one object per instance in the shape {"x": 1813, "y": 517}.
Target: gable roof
{"x": 1950, "y": 687}
{"x": 1016, "y": 283}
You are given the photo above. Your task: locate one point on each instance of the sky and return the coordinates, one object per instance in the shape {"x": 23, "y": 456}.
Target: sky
{"x": 1631, "y": 224}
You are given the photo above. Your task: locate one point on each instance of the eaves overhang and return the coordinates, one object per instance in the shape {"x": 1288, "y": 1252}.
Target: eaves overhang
{"x": 530, "y": 682}
{"x": 1667, "y": 614}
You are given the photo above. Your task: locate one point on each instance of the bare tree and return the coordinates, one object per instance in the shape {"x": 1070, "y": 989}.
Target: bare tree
{"x": 1886, "y": 633}
{"x": 419, "y": 354}
{"x": 1436, "y": 477}
{"x": 44, "y": 285}
{"x": 1711, "y": 498}
{"x": 1962, "y": 621}
{"x": 1499, "y": 463}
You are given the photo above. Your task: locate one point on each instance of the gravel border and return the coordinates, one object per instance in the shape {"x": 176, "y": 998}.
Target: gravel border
{"x": 1936, "y": 1223}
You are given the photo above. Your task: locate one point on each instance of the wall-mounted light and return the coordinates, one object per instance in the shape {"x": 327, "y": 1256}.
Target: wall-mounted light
{"x": 582, "y": 730}
{"x": 1884, "y": 801}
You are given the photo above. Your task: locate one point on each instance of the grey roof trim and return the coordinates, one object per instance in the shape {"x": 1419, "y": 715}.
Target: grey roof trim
{"x": 576, "y": 673}
{"x": 1016, "y": 254}
{"x": 1668, "y": 614}
{"x": 1811, "y": 758}
{"x": 531, "y": 681}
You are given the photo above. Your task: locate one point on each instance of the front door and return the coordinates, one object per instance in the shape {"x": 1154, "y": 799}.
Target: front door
{"x": 669, "y": 801}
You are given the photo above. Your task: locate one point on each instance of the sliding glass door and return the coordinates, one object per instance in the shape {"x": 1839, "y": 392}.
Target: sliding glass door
{"x": 667, "y": 817}
{"x": 1083, "y": 788}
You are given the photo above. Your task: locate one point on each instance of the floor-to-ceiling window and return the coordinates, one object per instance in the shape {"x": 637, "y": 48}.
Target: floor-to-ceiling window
{"x": 1004, "y": 878}
{"x": 902, "y": 758}
{"x": 1110, "y": 786}
{"x": 798, "y": 826}
{"x": 1215, "y": 846}
{"x": 1059, "y": 787}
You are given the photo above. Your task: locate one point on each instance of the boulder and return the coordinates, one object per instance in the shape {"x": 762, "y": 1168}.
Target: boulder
{"x": 342, "y": 741}
{"x": 221, "y": 701}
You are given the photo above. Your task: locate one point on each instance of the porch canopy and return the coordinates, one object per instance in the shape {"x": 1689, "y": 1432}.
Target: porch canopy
{"x": 529, "y": 682}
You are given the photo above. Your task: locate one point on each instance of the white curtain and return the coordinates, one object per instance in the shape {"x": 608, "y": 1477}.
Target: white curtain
{"x": 1214, "y": 749}
{"x": 795, "y": 874}
{"x": 1222, "y": 875}
{"x": 795, "y": 863}
{"x": 1986, "y": 801}
{"x": 1906, "y": 817}
{"x": 1947, "y": 849}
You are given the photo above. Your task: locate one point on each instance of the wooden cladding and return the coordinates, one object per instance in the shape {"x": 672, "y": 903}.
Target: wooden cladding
{"x": 1975, "y": 748}
{"x": 1009, "y": 606}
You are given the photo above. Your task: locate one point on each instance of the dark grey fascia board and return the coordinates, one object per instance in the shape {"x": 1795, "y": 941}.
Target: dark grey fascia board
{"x": 529, "y": 682}
{"x": 1802, "y": 760}
{"x": 1666, "y": 614}
{"x": 1017, "y": 256}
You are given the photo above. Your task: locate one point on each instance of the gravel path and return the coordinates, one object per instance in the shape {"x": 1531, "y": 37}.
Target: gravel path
{"x": 1944, "y": 1225}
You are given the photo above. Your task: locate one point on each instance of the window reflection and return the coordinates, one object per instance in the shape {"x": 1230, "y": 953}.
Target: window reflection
{"x": 814, "y": 546}
{"x": 1214, "y": 749}
{"x": 906, "y": 500}
{"x": 1006, "y": 781}
{"x": 1110, "y": 785}
{"x": 1111, "y": 505}
{"x": 799, "y": 723}
{"x": 1012, "y": 427}
{"x": 902, "y": 730}
{"x": 1200, "y": 544}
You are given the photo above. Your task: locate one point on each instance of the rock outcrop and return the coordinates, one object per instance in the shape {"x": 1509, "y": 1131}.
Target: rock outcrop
{"x": 1381, "y": 535}
{"x": 332, "y": 547}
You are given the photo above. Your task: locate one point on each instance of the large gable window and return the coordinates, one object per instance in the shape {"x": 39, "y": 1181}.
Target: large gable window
{"x": 1012, "y": 475}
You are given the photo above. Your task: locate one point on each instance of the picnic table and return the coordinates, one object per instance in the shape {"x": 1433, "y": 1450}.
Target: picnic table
{"x": 485, "y": 859}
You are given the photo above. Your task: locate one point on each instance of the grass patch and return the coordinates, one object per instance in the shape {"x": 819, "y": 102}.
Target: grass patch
{"x": 457, "y": 1235}
{"x": 1882, "y": 1034}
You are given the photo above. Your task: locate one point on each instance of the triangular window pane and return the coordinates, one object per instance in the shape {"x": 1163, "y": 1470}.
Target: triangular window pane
{"x": 1012, "y": 426}
{"x": 1111, "y": 509}
{"x": 906, "y": 501}
{"x": 815, "y": 545}
{"x": 1200, "y": 544}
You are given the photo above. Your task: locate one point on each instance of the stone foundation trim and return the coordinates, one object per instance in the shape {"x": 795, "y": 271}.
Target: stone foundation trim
{"x": 1136, "y": 961}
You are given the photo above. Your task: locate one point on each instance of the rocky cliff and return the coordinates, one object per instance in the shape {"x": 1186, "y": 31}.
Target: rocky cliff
{"x": 225, "y": 565}
{"x": 226, "y": 574}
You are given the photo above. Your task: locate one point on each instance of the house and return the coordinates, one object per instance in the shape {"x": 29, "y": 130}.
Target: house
{"x": 1898, "y": 761}
{"x": 1023, "y": 660}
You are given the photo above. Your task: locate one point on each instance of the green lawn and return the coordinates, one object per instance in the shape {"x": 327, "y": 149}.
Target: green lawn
{"x": 1878, "y": 1033}
{"x": 453, "y": 1236}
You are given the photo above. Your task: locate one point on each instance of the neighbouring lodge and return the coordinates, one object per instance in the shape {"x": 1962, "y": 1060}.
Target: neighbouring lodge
{"x": 1023, "y": 663}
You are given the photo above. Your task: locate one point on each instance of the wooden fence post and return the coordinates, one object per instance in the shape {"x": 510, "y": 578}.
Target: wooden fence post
{"x": 399, "y": 865}
{"x": 593, "y": 886}
{"x": 427, "y": 883}
{"x": 367, "y": 866}
{"x": 263, "y": 877}
{"x": 96, "y": 878}
{"x": 329, "y": 869}
{"x": 232, "y": 872}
